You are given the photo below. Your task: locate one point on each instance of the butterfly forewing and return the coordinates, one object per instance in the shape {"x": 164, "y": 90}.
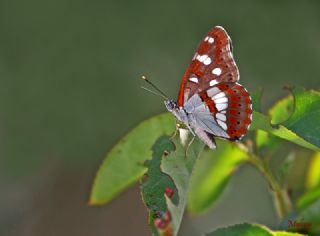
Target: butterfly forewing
{"x": 211, "y": 64}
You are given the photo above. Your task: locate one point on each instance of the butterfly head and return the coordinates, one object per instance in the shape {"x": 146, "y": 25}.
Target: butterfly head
{"x": 170, "y": 105}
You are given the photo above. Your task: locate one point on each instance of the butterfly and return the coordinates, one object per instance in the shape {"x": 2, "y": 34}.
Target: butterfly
{"x": 210, "y": 101}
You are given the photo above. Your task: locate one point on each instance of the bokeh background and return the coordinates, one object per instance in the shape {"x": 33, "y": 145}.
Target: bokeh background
{"x": 70, "y": 88}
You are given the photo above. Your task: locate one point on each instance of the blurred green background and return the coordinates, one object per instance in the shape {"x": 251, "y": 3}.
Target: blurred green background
{"x": 70, "y": 88}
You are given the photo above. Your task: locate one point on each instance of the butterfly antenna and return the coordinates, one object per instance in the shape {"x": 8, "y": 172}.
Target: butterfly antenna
{"x": 153, "y": 92}
{"x": 162, "y": 94}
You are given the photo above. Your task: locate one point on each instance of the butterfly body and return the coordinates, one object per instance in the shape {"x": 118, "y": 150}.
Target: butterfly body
{"x": 211, "y": 103}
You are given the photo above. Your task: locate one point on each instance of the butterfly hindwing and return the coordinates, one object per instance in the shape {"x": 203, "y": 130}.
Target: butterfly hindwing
{"x": 233, "y": 109}
{"x": 224, "y": 111}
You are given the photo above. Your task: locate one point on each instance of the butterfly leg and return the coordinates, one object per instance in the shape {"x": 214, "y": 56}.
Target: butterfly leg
{"x": 189, "y": 145}
{"x": 191, "y": 141}
{"x": 176, "y": 130}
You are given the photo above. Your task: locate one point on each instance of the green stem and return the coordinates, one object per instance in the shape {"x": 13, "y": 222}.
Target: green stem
{"x": 282, "y": 200}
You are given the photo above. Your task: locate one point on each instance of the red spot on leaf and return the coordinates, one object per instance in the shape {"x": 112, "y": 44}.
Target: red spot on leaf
{"x": 169, "y": 192}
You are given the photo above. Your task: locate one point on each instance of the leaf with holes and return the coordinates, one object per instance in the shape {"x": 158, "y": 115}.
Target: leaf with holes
{"x": 164, "y": 187}
{"x": 156, "y": 184}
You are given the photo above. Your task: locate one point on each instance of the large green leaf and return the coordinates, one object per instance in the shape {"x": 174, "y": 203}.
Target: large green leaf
{"x": 290, "y": 119}
{"x": 260, "y": 121}
{"x": 249, "y": 230}
{"x": 305, "y": 120}
{"x": 123, "y": 165}
{"x": 212, "y": 173}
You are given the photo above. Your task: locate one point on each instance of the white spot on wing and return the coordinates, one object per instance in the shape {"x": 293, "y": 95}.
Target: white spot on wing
{"x": 210, "y": 40}
{"x": 216, "y": 71}
{"x": 221, "y": 106}
{"x": 221, "y": 117}
{"x": 201, "y": 58}
{"x": 219, "y": 95}
{"x": 222, "y": 124}
{"x": 213, "y": 82}
{"x": 221, "y": 100}
{"x": 207, "y": 61}
{"x": 213, "y": 91}
{"x": 194, "y": 79}
{"x": 206, "y": 38}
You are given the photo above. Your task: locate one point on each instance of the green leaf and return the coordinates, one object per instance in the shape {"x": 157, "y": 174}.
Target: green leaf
{"x": 309, "y": 197}
{"x": 311, "y": 214}
{"x": 260, "y": 121}
{"x": 305, "y": 120}
{"x": 249, "y": 230}
{"x": 313, "y": 173}
{"x": 312, "y": 183}
{"x": 179, "y": 167}
{"x": 212, "y": 173}
{"x": 123, "y": 165}
{"x": 283, "y": 233}
{"x": 155, "y": 182}
{"x": 281, "y": 110}
{"x": 303, "y": 125}
{"x": 266, "y": 141}
{"x": 242, "y": 230}
{"x": 169, "y": 168}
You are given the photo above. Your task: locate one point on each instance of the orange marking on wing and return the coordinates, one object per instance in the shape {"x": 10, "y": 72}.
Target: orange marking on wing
{"x": 196, "y": 69}
{"x": 182, "y": 87}
{"x": 204, "y": 97}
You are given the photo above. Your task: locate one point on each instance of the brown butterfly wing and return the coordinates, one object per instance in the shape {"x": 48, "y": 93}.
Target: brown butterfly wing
{"x": 212, "y": 63}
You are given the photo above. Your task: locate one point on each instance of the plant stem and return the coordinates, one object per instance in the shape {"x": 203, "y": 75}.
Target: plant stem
{"x": 282, "y": 200}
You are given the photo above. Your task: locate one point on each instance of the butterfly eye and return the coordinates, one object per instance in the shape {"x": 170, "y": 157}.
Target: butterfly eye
{"x": 170, "y": 105}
